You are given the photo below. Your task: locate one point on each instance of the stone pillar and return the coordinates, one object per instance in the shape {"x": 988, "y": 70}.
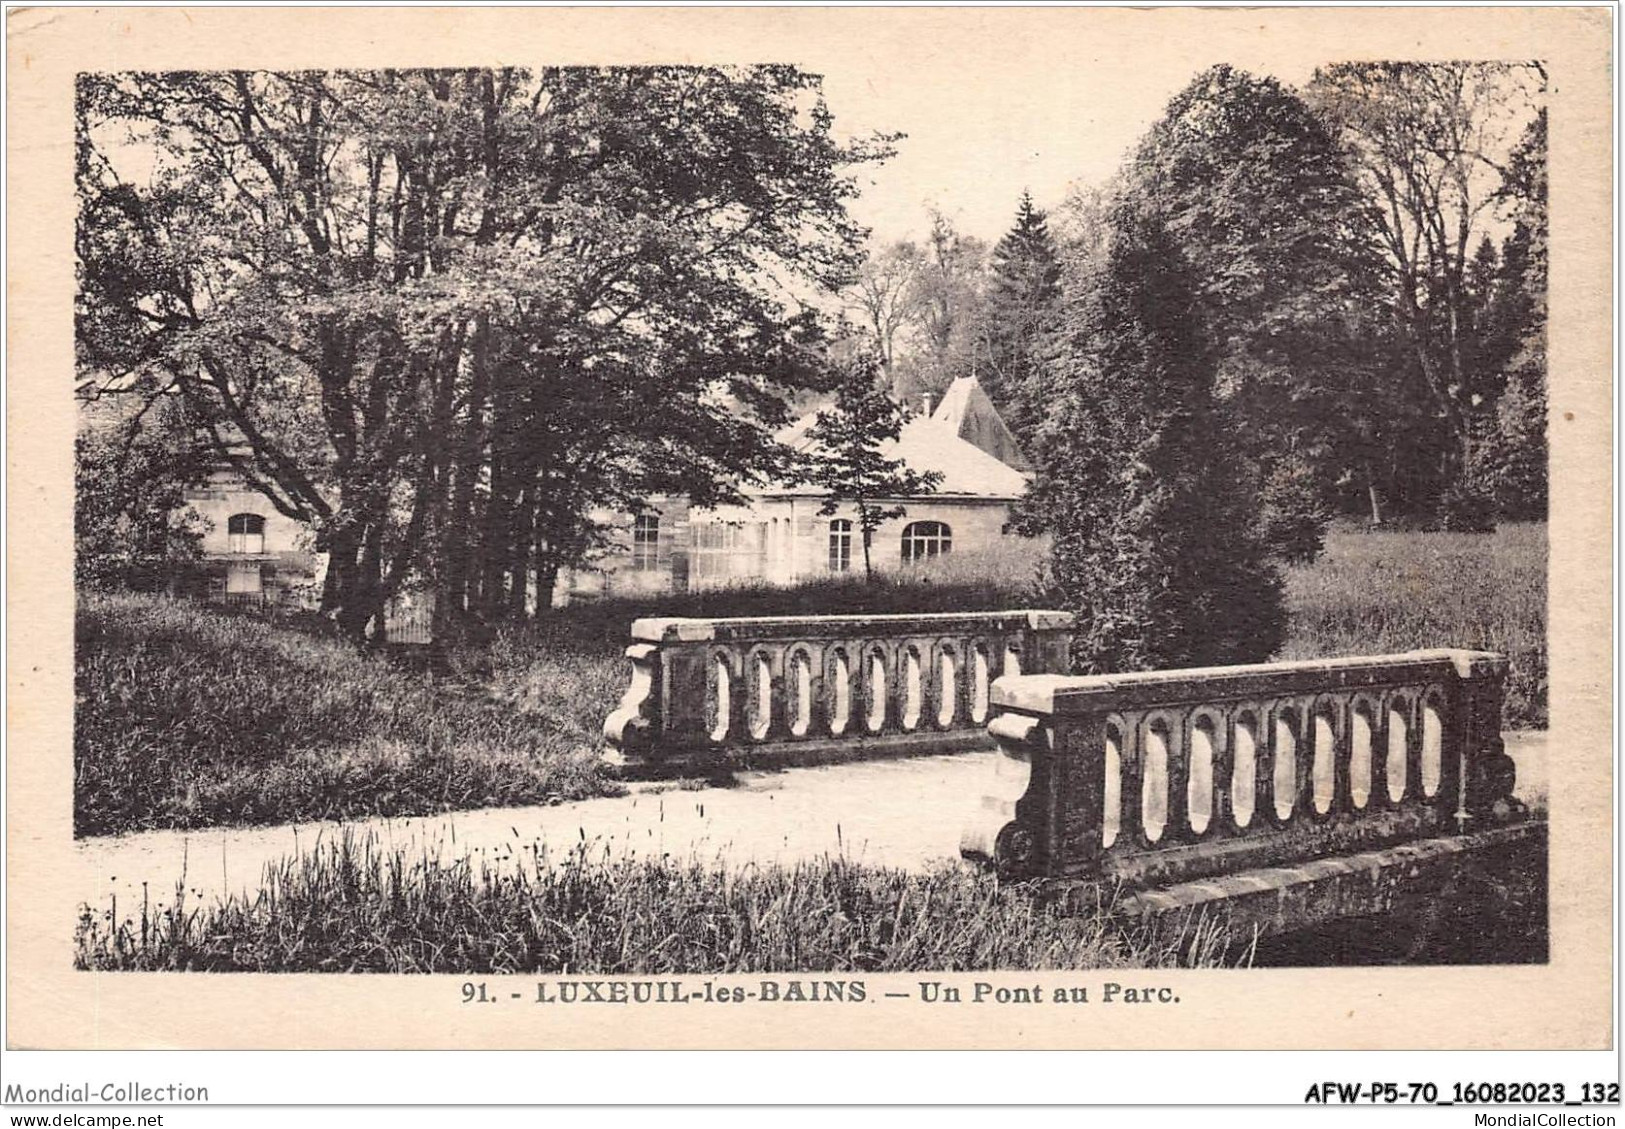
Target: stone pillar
{"x": 1050, "y": 650}
{"x": 1007, "y": 830}
{"x": 1488, "y": 775}
{"x": 685, "y": 687}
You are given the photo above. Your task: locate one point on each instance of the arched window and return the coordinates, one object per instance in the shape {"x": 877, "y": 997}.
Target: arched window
{"x": 245, "y": 533}
{"x": 840, "y": 545}
{"x": 646, "y": 541}
{"x": 922, "y": 539}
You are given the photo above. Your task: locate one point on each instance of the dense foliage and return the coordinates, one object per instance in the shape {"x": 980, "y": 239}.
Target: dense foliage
{"x": 1368, "y": 255}
{"x": 1445, "y": 154}
{"x": 1154, "y": 528}
{"x": 132, "y": 526}
{"x": 451, "y": 319}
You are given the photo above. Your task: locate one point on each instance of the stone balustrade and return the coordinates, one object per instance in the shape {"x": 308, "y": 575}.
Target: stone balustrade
{"x": 811, "y": 688}
{"x": 1180, "y": 776}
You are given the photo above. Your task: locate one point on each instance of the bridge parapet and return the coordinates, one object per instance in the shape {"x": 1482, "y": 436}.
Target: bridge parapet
{"x": 1185, "y": 775}
{"x": 810, "y": 688}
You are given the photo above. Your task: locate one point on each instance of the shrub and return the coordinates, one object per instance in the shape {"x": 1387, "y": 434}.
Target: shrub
{"x": 1155, "y": 540}
{"x": 1467, "y": 508}
{"x": 1294, "y": 520}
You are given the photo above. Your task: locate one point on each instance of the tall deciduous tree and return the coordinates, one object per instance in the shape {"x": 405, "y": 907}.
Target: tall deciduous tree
{"x": 886, "y": 297}
{"x": 1262, "y": 201}
{"x": 946, "y": 312}
{"x": 1154, "y": 528}
{"x": 1429, "y": 141}
{"x": 448, "y": 313}
{"x": 847, "y": 456}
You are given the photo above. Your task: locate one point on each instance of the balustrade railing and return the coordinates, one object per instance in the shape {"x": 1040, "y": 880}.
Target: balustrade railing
{"x": 823, "y": 687}
{"x": 1179, "y": 775}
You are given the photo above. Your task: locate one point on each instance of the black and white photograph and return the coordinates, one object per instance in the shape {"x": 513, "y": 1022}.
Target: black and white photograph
{"x": 802, "y": 528}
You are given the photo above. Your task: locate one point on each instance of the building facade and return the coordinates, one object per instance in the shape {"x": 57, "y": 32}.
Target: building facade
{"x": 251, "y": 552}
{"x": 780, "y": 535}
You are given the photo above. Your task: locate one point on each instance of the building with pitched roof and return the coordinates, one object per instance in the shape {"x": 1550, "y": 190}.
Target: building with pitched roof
{"x": 779, "y": 536}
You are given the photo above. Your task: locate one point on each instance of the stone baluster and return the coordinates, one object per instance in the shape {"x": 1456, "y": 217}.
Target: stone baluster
{"x": 703, "y": 687}
{"x": 1336, "y": 711}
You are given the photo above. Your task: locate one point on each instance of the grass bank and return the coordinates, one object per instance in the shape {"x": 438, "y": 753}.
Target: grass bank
{"x": 352, "y": 906}
{"x": 1372, "y": 593}
{"x": 188, "y": 718}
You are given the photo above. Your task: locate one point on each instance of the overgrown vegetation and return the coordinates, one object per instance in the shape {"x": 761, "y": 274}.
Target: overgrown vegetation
{"x": 352, "y": 906}
{"x": 132, "y": 527}
{"x": 438, "y": 347}
{"x": 188, "y": 718}
{"x": 450, "y": 384}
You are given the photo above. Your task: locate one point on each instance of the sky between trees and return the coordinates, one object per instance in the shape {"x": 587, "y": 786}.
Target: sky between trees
{"x": 983, "y": 124}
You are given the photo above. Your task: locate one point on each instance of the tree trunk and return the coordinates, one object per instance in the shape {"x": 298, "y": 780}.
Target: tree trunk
{"x": 458, "y": 548}
{"x": 522, "y": 531}
{"x": 547, "y": 578}
{"x": 1373, "y": 495}
{"x": 868, "y": 536}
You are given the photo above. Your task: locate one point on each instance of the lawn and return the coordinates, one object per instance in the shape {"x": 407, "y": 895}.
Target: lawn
{"x": 187, "y": 717}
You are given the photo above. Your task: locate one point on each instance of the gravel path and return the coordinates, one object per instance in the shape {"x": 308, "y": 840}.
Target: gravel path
{"x": 902, "y": 813}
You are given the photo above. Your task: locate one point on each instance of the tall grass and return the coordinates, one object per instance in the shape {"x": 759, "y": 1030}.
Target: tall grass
{"x": 188, "y": 718}
{"x": 1372, "y": 593}
{"x": 352, "y": 906}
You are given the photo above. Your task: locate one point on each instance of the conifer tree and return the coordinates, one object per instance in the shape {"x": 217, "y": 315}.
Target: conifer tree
{"x": 1155, "y": 533}
{"x": 1023, "y": 294}
{"x": 1519, "y": 474}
